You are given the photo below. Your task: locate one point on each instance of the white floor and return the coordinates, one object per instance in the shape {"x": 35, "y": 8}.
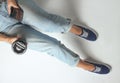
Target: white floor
{"x": 34, "y": 67}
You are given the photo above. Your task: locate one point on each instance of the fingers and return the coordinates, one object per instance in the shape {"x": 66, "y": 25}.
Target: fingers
{"x": 11, "y": 5}
{"x": 9, "y": 10}
{"x": 14, "y": 10}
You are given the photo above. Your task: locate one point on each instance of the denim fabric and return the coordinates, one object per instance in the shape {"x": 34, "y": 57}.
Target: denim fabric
{"x": 44, "y": 21}
{"x": 44, "y": 43}
{"x": 34, "y": 22}
{"x": 5, "y": 20}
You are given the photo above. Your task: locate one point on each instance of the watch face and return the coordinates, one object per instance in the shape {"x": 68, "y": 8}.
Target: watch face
{"x": 19, "y": 46}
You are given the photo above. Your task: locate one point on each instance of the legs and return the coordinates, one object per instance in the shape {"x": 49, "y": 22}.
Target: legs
{"x": 44, "y": 21}
{"x": 44, "y": 43}
{"x": 53, "y": 23}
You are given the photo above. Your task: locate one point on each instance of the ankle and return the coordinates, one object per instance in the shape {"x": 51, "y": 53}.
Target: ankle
{"x": 76, "y": 30}
{"x": 86, "y": 66}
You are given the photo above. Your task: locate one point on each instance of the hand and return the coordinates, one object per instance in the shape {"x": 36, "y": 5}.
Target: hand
{"x": 14, "y": 10}
{"x": 11, "y": 3}
{"x": 9, "y": 39}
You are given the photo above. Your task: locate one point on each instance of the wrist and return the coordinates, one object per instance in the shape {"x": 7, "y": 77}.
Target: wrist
{"x": 11, "y": 39}
{"x": 8, "y": 39}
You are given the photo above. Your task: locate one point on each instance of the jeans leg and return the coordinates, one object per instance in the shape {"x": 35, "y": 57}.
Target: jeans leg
{"x": 44, "y": 43}
{"x": 42, "y": 20}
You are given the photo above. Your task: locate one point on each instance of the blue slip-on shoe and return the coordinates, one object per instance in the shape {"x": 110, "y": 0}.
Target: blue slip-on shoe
{"x": 100, "y": 68}
{"x": 88, "y": 34}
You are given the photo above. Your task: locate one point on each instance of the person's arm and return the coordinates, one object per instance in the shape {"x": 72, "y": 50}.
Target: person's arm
{"x": 6, "y": 38}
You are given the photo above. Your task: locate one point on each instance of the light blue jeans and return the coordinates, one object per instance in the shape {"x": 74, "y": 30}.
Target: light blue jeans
{"x": 36, "y": 20}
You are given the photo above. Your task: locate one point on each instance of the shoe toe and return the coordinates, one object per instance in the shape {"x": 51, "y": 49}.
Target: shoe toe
{"x": 100, "y": 68}
{"x": 89, "y": 34}
{"x": 104, "y": 69}
{"x": 92, "y": 36}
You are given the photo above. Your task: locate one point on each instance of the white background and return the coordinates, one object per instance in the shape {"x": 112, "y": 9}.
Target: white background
{"x": 34, "y": 67}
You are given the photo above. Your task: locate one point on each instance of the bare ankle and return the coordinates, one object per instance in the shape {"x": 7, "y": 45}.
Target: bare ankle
{"x": 76, "y": 30}
{"x": 86, "y": 66}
